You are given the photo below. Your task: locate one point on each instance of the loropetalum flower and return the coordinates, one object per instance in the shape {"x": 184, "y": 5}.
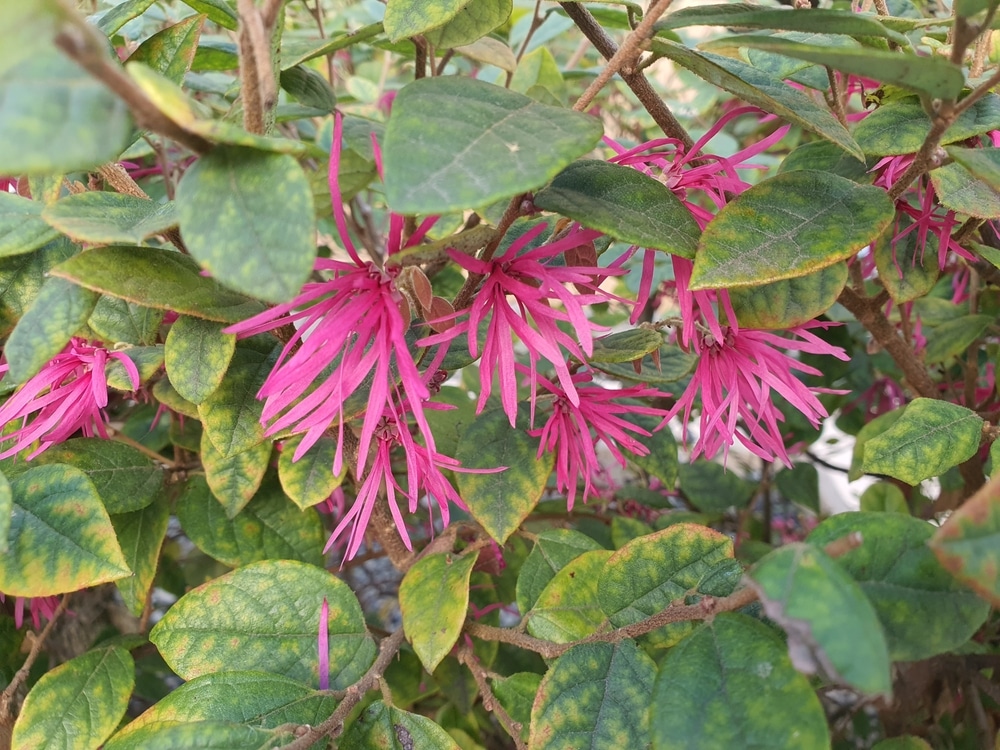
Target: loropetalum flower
{"x": 350, "y": 334}
{"x": 736, "y": 377}
{"x": 573, "y": 430}
{"x": 67, "y": 395}
{"x": 525, "y": 294}
{"x": 38, "y": 606}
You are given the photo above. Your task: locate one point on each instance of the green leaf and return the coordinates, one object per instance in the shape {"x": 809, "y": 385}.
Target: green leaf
{"x": 824, "y": 156}
{"x": 382, "y": 726}
{"x": 554, "y": 549}
{"x": 569, "y": 608}
{"x": 901, "y": 265}
{"x": 309, "y": 88}
{"x": 474, "y": 21}
{"x": 55, "y": 117}
{"x": 405, "y": 18}
{"x": 932, "y": 75}
{"x": 876, "y": 427}
{"x": 60, "y": 537}
{"x": 595, "y": 695}
{"x": 59, "y": 310}
{"x": 164, "y": 392}
{"x": 762, "y": 90}
{"x": 626, "y": 346}
{"x": 257, "y": 234}
{"x": 650, "y": 572}
{"x": 22, "y": 276}
{"x": 112, "y": 21}
{"x": 269, "y": 527}
{"x": 830, "y": 623}
{"x": 884, "y": 497}
{"x": 537, "y": 75}
{"x": 231, "y": 415}
{"x": 125, "y": 478}
{"x": 958, "y": 190}
{"x": 731, "y": 684}
{"x": 108, "y": 218}
{"x": 218, "y": 11}
{"x": 500, "y": 501}
{"x": 929, "y": 438}
{"x": 712, "y": 489}
{"x": 516, "y": 694}
{"x": 490, "y": 51}
{"x": 218, "y": 626}
{"x": 788, "y": 303}
{"x": 116, "y": 320}
{"x": 77, "y": 704}
{"x": 903, "y": 743}
{"x": 800, "y": 484}
{"x": 788, "y": 226}
{"x": 203, "y": 735}
{"x": 968, "y": 8}
{"x": 197, "y": 355}
{"x": 6, "y": 513}
{"x": 901, "y": 126}
{"x": 171, "y": 52}
{"x": 140, "y": 534}
{"x": 310, "y": 480}
{"x": 672, "y": 365}
{"x": 466, "y": 124}
{"x": 983, "y": 163}
{"x": 148, "y": 360}
{"x": 923, "y": 610}
{"x": 623, "y": 203}
{"x": 234, "y": 480}
{"x": 22, "y": 228}
{"x": 951, "y": 339}
{"x": 967, "y": 543}
{"x": 661, "y": 461}
{"x": 434, "y": 599}
{"x": 256, "y": 699}
{"x": 158, "y": 278}
{"x": 24, "y": 24}
{"x": 818, "y": 20}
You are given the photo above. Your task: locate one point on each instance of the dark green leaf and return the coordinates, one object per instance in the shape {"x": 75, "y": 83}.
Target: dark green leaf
{"x": 824, "y": 156}
{"x": 901, "y": 126}
{"x": 107, "y": 218}
{"x": 800, "y": 484}
{"x": 713, "y": 489}
{"x": 626, "y": 346}
{"x": 661, "y": 461}
{"x": 902, "y": 266}
{"x": 308, "y": 87}
{"x": 672, "y": 365}
{"x": 382, "y": 726}
{"x": 116, "y": 320}
{"x": 517, "y": 694}
{"x": 197, "y": 355}
{"x": 553, "y": 550}
{"x": 140, "y": 534}
{"x": 788, "y": 303}
{"x": 22, "y": 228}
{"x": 951, "y": 339}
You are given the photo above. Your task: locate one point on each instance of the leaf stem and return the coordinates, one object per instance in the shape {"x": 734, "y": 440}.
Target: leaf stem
{"x": 467, "y": 657}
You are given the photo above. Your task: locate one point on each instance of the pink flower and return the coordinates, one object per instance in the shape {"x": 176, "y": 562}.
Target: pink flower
{"x": 735, "y": 377}
{"x": 68, "y": 394}
{"x": 40, "y": 606}
{"x": 573, "y": 430}
{"x": 323, "y": 645}
{"x": 350, "y": 335}
{"x": 517, "y": 296}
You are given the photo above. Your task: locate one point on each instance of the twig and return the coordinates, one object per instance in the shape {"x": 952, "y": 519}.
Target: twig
{"x": 467, "y": 657}
{"x": 334, "y": 725}
{"x": 260, "y": 93}
{"x": 116, "y": 176}
{"x": 635, "y": 80}
{"x": 7, "y": 696}
{"x": 121, "y": 437}
{"x": 837, "y": 96}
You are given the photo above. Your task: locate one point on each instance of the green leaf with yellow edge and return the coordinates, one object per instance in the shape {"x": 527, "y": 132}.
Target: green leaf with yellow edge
{"x": 434, "y": 600}
{"x": 197, "y": 354}
{"x": 159, "y": 278}
{"x": 569, "y": 607}
{"x": 60, "y": 538}
{"x": 788, "y": 226}
{"x": 762, "y": 90}
{"x": 923, "y": 610}
{"x": 901, "y": 126}
{"x": 59, "y": 311}
{"x": 968, "y": 544}
{"x": 650, "y": 572}
{"x": 165, "y": 393}
{"x": 148, "y": 360}
{"x": 234, "y": 480}
{"x": 310, "y": 480}
{"x": 553, "y": 550}
{"x": 171, "y": 52}
{"x": 109, "y": 218}
{"x": 382, "y": 726}
{"x": 907, "y": 268}
{"x": 218, "y": 626}
{"x": 22, "y": 276}
{"x": 22, "y": 228}
{"x": 625, "y": 528}
{"x": 873, "y": 429}
{"x": 672, "y": 365}
{"x": 951, "y": 339}
{"x": 124, "y": 477}
{"x": 983, "y": 163}
{"x": 731, "y": 684}
{"x": 116, "y": 320}
{"x": 623, "y": 203}
{"x": 791, "y": 302}
{"x": 474, "y": 21}
{"x": 929, "y": 438}
{"x": 231, "y": 415}
{"x": 465, "y": 124}
{"x": 884, "y": 497}
{"x": 140, "y": 534}
{"x": 500, "y": 501}
{"x": 831, "y": 625}
{"x": 55, "y": 117}
{"x": 77, "y": 704}
{"x": 405, "y": 18}
{"x": 203, "y": 735}
{"x": 960, "y": 191}
{"x": 256, "y": 699}
{"x": 268, "y": 528}
{"x": 258, "y": 234}
{"x": 626, "y": 346}
{"x": 595, "y": 695}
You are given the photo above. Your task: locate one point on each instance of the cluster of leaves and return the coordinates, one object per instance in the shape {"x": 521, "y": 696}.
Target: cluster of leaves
{"x": 273, "y": 269}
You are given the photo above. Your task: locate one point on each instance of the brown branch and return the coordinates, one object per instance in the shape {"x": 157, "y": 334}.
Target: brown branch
{"x": 7, "y": 696}
{"x": 334, "y": 725}
{"x": 467, "y": 657}
{"x": 116, "y": 176}
{"x": 256, "y": 74}
{"x": 635, "y": 80}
